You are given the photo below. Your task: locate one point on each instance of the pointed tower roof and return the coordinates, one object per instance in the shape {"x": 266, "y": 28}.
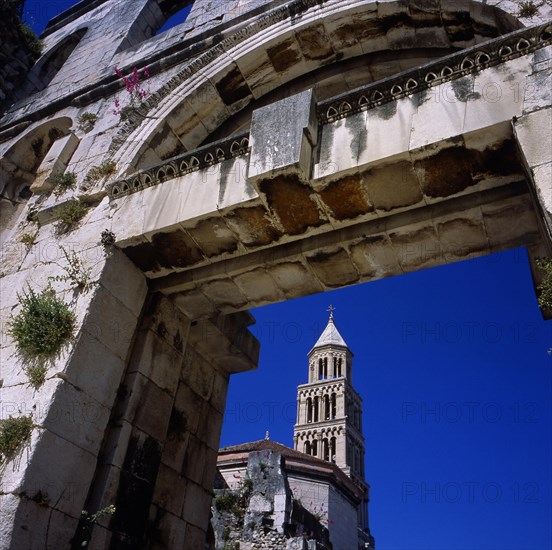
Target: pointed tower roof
{"x": 330, "y": 336}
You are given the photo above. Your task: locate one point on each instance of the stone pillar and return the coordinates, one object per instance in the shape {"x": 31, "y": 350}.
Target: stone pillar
{"x": 533, "y": 132}
{"x": 43, "y": 491}
{"x": 159, "y": 458}
{"x": 129, "y": 415}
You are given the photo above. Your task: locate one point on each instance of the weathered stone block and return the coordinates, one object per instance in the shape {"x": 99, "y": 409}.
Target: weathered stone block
{"x": 196, "y": 509}
{"x": 374, "y": 257}
{"x": 289, "y": 149}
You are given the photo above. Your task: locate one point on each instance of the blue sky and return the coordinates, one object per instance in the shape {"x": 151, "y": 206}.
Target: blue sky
{"x": 452, "y": 366}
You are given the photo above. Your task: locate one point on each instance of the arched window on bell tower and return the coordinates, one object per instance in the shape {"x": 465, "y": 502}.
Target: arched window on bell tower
{"x": 315, "y": 407}
{"x": 309, "y": 409}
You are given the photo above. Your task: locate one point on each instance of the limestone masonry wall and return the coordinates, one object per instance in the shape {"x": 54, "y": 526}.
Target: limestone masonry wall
{"x": 157, "y": 230}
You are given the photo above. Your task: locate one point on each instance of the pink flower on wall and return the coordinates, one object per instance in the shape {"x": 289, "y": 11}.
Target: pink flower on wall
{"x": 136, "y": 94}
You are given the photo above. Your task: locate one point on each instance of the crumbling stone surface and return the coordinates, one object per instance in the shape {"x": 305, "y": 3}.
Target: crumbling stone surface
{"x": 261, "y": 513}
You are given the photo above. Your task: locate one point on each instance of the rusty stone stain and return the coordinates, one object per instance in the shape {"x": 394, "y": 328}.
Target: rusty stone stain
{"x": 284, "y": 55}
{"x": 291, "y": 201}
{"x": 446, "y": 173}
{"x": 175, "y": 249}
{"x": 143, "y": 256}
{"x": 232, "y": 87}
{"x": 458, "y": 25}
{"x": 315, "y": 43}
{"x": 346, "y": 198}
{"x": 502, "y": 160}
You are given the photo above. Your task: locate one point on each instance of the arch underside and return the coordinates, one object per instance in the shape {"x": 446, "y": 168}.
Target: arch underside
{"x": 20, "y": 164}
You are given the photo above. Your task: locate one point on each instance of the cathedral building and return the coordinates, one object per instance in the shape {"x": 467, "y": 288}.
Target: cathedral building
{"x": 324, "y": 473}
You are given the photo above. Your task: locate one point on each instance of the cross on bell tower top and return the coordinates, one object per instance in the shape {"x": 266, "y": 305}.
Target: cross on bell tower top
{"x": 330, "y": 335}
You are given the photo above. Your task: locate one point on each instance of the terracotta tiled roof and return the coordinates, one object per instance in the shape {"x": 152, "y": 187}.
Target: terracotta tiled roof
{"x": 269, "y": 445}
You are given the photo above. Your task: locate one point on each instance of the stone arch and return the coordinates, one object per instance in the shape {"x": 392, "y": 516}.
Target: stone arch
{"x": 50, "y": 63}
{"x": 327, "y": 410}
{"x": 325, "y": 449}
{"x": 206, "y": 102}
{"x": 20, "y": 164}
{"x": 316, "y": 409}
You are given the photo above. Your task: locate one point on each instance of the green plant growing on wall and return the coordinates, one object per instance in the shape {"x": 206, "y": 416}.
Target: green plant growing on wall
{"x": 76, "y": 272}
{"x": 227, "y": 502}
{"x": 107, "y": 238}
{"x": 104, "y": 170}
{"x": 40, "y": 330}
{"x": 528, "y": 9}
{"x": 86, "y": 120}
{"x": 15, "y": 433}
{"x": 93, "y": 518}
{"x": 29, "y": 239}
{"x": 63, "y": 181}
{"x": 70, "y": 214}
{"x": 235, "y": 502}
{"x": 545, "y": 288}
{"x": 12, "y": 13}
{"x": 87, "y": 522}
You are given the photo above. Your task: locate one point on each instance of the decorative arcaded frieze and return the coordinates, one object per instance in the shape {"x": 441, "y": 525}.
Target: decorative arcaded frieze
{"x": 451, "y": 67}
{"x": 469, "y": 61}
{"x": 198, "y": 159}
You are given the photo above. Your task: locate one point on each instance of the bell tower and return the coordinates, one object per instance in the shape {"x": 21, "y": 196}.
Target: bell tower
{"x": 329, "y": 411}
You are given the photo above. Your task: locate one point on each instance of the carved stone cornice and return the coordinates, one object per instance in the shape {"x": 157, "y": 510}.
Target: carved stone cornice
{"x": 445, "y": 69}
{"x": 198, "y": 159}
